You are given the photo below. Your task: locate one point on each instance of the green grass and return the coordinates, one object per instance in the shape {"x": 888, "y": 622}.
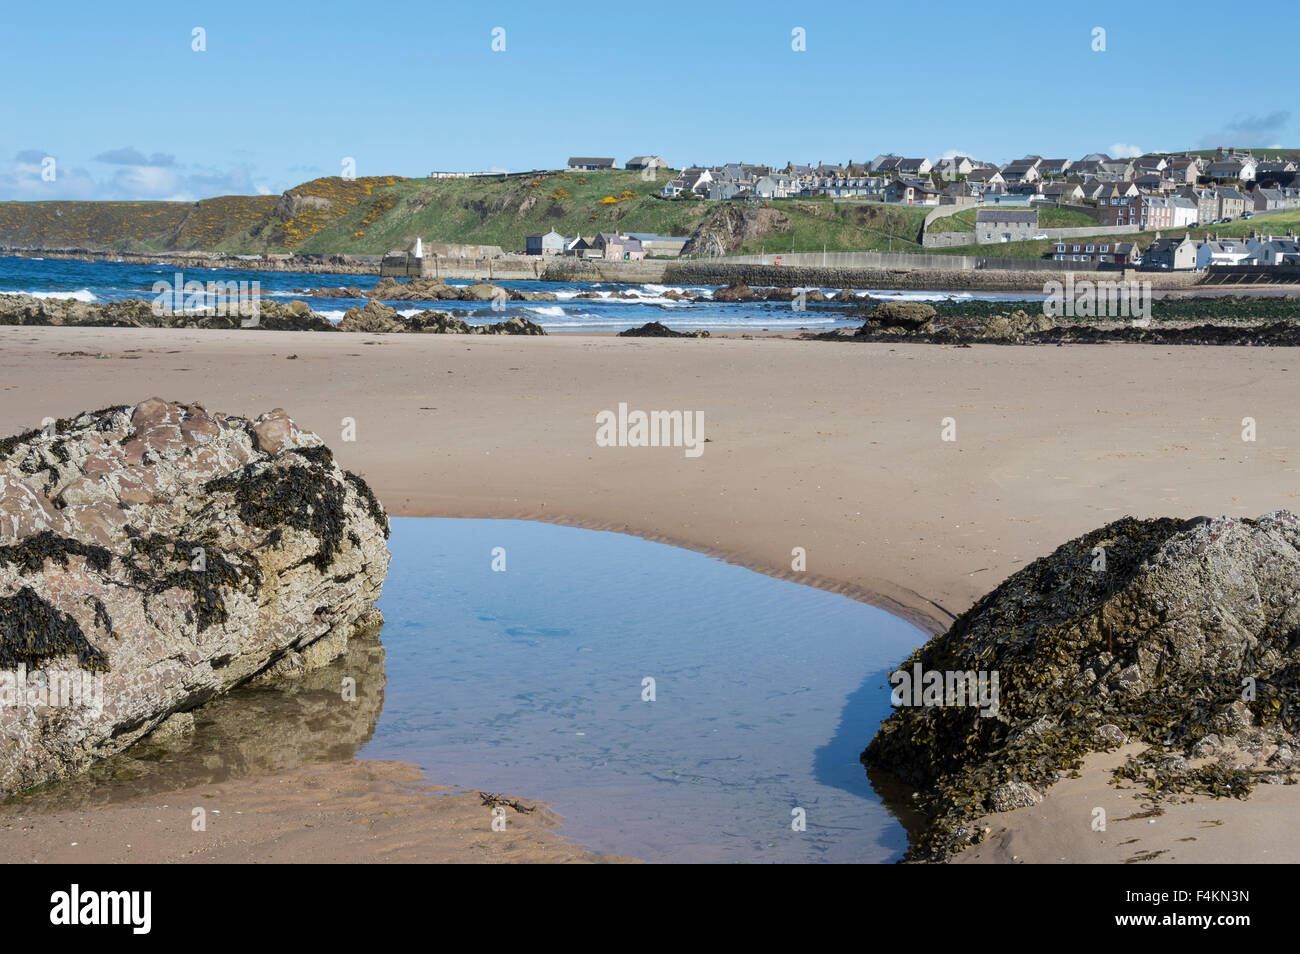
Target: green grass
{"x": 841, "y": 227}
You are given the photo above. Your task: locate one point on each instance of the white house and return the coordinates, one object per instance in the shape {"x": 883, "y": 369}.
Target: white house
{"x": 1222, "y": 252}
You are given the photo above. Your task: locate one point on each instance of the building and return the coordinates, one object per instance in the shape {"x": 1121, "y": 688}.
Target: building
{"x": 1005, "y": 225}
{"x": 1171, "y": 253}
{"x": 617, "y": 247}
{"x": 1231, "y": 203}
{"x": 660, "y": 246}
{"x": 589, "y": 164}
{"x": 1266, "y": 200}
{"x": 645, "y": 162}
{"x": 1267, "y": 250}
{"x": 548, "y": 243}
{"x": 1156, "y": 213}
{"x": 776, "y": 186}
{"x": 952, "y": 167}
{"x": 1234, "y": 167}
{"x": 908, "y": 190}
{"x": 1022, "y": 170}
{"x": 1096, "y": 252}
{"x": 1222, "y": 252}
{"x": 1186, "y": 211}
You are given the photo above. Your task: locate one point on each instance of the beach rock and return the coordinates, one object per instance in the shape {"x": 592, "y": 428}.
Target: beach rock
{"x": 515, "y": 325}
{"x": 1188, "y": 628}
{"x": 483, "y": 291}
{"x": 1012, "y": 795}
{"x": 413, "y": 289}
{"x": 1016, "y": 325}
{"x": 735, "y": 292}
{"x": 152, "y": 558}
{"x": 374, "y": 318}
{"x": 653, "y": 329}
{"x": 900, "y": 317}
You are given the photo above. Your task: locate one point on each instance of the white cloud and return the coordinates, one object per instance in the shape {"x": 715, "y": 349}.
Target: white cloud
{"x": 1124, "y": 150}
{"x": 133, "y": 176}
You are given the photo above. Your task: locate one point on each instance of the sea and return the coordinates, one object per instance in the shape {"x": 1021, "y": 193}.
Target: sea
{"x": 619, "y": 307}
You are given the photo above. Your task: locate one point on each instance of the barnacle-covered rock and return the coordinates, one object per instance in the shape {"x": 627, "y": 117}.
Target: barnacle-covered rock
{"x": 156, "y": 556}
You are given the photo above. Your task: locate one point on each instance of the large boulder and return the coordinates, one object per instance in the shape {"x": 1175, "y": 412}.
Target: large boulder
{"x": 900, "y": 317}
{"x": 1177, "y": 634}
{"x": 154, "y": 557}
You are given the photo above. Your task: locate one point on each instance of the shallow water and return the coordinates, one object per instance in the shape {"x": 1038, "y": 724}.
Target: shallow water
{"x": 530, "y": 682}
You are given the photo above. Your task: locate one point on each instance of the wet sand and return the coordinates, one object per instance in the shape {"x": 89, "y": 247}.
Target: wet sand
{"x": 337, "y": 812}
{"x": 834, "y": 448}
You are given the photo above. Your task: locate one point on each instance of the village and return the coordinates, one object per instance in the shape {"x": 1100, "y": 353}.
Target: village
{"x": 1101, "y": 198}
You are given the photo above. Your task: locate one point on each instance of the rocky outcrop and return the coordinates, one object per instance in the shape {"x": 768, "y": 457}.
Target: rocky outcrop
{"x": 271, "y": 315}
{"x": 154, "y": 557}
{"x": 654, "y": 329}
{"x": 728, "y": 226}
{"x": 433, "y": 289}
{"x": 899, "y": 317}
{"x": 1180, "y": 635}
{"x": 378, "y": 318}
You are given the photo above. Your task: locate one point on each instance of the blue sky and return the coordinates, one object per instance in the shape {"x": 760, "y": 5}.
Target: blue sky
{"x": 285, "y": 91}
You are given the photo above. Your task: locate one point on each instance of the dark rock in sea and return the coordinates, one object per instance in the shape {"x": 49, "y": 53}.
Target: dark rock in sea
{"x": 154, "y": 557}
{"x": 653, "y": 329}
{"x": 735, "y": 292}
{"x": 1165, "y": 632}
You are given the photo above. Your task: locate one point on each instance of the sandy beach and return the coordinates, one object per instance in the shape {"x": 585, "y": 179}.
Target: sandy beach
{"x": 833, "y": 447}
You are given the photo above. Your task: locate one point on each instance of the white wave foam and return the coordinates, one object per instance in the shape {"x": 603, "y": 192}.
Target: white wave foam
{"x": 84, "y": 295}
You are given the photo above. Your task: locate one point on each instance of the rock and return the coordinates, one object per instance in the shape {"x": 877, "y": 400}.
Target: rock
{"x": 1112, "y": 734}
{"x": 414, "y": 289}
{"x": 514, "y": 325}
{"x": 906, "y": 317}
{"x": 735, "y": 292}
{"x": 483, "y": 291}
{"x": 653, "y": 329}
{"x": 155, "y": 557}
{"x": 1013, "y": 795}
{"x": 1185, "y": 614}
{"x": 1015, "y": 326}
{"x": 374, "y": 318}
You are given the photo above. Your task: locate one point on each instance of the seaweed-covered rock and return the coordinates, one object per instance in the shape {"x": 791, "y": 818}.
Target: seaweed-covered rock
{"x": 654, "y": 329}
{"x": 156, "y": 556}
{"x": 905, "y": 317}
{"x": 736, "y": 291}
{"x": 1177, "y": 634}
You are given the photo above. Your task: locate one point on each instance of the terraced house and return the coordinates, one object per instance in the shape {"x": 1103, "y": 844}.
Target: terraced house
{"x": 1094, "y": 251}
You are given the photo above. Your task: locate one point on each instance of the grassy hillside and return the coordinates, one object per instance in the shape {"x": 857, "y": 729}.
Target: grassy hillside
{"x": 840, "y": 227}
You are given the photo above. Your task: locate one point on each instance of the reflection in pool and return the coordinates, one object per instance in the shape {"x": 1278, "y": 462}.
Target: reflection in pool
{"x": 532, "y": 680}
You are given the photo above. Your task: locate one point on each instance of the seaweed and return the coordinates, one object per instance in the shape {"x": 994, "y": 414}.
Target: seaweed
{"x": 368, "y": 498}
{"x": 204, "y": 585}
{"x": 33, "y": 632}
{"x": 302, "y": 497}
{"x": 31, "y": 552}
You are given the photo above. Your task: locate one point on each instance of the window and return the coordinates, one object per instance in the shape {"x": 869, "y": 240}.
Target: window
{"x": 1105, "y": 248}
{"x": 1091, "y": 248}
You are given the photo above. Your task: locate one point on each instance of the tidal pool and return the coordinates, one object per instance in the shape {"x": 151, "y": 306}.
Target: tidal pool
{"x": 532, "y": 680}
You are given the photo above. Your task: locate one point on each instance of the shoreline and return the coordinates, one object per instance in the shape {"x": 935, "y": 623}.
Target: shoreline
{"x": 833, "y": 449}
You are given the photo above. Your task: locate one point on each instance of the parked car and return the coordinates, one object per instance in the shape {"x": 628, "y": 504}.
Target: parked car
{"x": 1248, "y": 215}
{"x": 1040, "y": 235}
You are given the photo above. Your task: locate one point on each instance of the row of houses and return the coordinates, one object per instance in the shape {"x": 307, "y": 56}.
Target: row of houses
{"x": 610, "y": 246}
{"x": 1182, "y": 253}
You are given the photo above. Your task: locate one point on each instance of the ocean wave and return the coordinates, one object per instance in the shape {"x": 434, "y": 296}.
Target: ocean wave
{"x": 84, "y": 295}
